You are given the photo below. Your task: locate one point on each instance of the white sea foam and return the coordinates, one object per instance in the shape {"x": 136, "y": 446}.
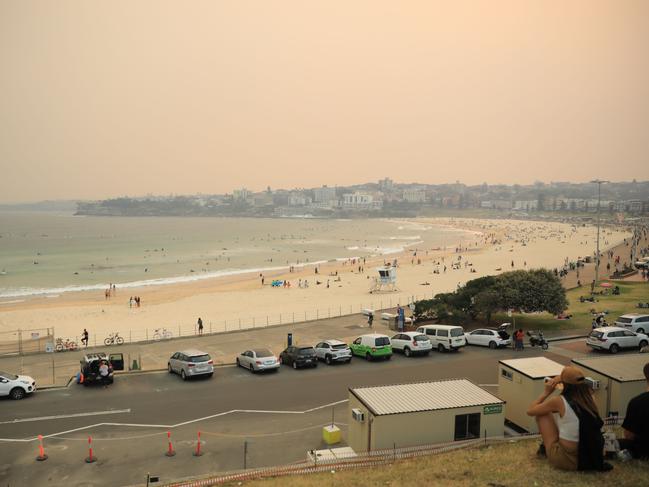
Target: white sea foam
{"x": 162, "y": 281}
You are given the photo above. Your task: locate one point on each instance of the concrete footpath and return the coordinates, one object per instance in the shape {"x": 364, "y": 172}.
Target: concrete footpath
{"x": 50, "y": 369}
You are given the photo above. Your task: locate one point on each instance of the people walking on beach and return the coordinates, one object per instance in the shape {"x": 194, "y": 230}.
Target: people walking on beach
{"x": 130, "y": 302}
{"x": 200, "y": 326}
{"x": 84, "y": 337}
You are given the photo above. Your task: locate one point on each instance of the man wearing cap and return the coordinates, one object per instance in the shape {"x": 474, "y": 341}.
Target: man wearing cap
{"x": 636, "y": 423}
{"x": 569, "y": 423}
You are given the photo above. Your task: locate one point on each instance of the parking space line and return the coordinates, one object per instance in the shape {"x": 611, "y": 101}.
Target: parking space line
{"x": 64, "y": 416}
{"x": 178, "y": 425}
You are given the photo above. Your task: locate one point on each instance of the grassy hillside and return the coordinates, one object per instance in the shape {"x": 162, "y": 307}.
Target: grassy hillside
{"x": 631, "y": 294}
{"x": 507, "y": 464}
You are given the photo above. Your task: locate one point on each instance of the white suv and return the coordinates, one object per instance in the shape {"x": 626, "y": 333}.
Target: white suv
{"x": 488, "y": 337}
{"x": 16, "y": 386}
{"x": 634, "y": 321}
{"x": 333, "y": 351}
{"x": 613, "y": 338}
{"x": 411, "y": 343}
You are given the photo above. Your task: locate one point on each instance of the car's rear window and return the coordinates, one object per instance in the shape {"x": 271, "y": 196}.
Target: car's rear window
{"x": 263, "y": 352}
{"x": 381, "y": 341}
{"x": 306, "y": 351}
{"x": 596, "y": 334}
{"x": 340, "y": 346}
{"x": 456, "y": 332}
{"x": 421, "y": 338}
{"x": 199, "y": 358}
{"x": 623, "y": 319}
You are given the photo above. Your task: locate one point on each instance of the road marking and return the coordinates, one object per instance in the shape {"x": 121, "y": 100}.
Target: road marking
{"x": 64, "y": 416}
{"x": 165, "y": 426}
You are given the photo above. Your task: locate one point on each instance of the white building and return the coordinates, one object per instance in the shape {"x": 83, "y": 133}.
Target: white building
{"x": 414, "y": 195}
{"x": 298, "y": 199}
{"x": 386, "y": 184}
{"x": 241, "y": 194}
{"x": 324, "y": 194}
{"x": 360, "y": 200}
{"x": 526, "y": 205}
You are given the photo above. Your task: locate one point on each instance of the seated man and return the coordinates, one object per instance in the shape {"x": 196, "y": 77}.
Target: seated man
{"x": 636, "y": 423}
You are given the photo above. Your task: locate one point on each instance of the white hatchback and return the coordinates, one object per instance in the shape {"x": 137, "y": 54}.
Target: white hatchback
{"x": 612, "y": 338}
{"x": 411, "y": 343}
{"x": 488, "y": 337}
{"x": 16, "y": 386}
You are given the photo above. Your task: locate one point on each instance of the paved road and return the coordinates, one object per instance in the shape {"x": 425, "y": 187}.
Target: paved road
{"x": 146, "y": 406}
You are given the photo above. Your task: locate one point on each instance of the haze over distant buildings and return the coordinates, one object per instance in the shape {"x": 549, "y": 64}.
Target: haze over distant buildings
{"x": 388, "y": 198}
{"x": 104, "y": 99}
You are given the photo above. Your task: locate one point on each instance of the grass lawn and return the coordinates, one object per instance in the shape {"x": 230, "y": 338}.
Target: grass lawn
{"x": 631, "y": 293}
{"x": 507, "y": 464}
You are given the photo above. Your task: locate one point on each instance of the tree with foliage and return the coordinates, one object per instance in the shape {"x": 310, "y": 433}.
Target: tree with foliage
{"x": 527, "y": 291}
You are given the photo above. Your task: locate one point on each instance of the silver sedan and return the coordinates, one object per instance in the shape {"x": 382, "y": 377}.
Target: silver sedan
{"x": 258, "y": 359}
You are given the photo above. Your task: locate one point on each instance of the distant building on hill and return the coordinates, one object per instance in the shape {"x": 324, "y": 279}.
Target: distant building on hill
{"x": 414, "y": 195}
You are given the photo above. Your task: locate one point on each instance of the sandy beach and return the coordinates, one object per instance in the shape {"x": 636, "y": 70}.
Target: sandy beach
{"x": 242, "y": 301}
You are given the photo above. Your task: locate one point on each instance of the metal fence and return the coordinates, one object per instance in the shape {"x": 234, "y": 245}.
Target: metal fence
{"x": 378, "y": 303}
{"x": 20, "y": 342}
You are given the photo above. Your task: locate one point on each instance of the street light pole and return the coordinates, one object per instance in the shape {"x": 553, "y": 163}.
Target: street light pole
{"x": 599, "y": 183}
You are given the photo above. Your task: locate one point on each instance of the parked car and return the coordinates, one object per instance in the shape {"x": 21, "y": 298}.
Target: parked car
{"x": 299, "y": 357}
{"x": 16, "y": 386}
{"x": 258, "y": 359}
{"x": 191, "y": 363}
{"x": 333, "y": 351}
{"x": 444, "y": 337}
{"x": 613, "y": 338}
{"x": 372, "y": 346}
{"x": 488, "y": 337}
{"x": 411, "y": 343}
{"x": 636, "y": 322}
{"x": 90, "y": 366}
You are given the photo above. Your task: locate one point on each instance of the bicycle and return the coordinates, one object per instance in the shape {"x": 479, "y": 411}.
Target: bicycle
{"x": 162, "y": 334}
{"x": 67, "y": 345}
{"x": 114, "y": 339}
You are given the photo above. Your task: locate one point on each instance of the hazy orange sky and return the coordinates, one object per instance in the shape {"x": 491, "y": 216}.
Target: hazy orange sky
{"x": 102, "y": 99}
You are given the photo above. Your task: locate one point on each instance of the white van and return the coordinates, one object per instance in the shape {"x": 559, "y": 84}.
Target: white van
{"x": 444, "y": 337}
{"x": 636, "y": 322}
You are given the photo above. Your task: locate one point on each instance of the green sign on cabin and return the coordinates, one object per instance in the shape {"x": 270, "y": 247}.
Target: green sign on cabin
{"x": 493, "y": 409}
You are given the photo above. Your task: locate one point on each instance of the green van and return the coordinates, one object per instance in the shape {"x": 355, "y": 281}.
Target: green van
{"x": 372, "y": 346}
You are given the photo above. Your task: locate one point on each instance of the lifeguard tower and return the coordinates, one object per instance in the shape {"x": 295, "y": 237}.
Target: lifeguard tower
{"x": 387, "y": 280}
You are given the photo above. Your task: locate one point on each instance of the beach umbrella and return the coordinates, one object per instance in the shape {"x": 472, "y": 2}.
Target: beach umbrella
{"x": 606, "y": 284}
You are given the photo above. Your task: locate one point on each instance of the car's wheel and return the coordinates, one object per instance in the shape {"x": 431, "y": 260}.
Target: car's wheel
{"x": 406, "y": 352}
{"x": 169, "y": 369}
{"x": 368, "y": 357}
{"x": 328, "y": 359}
{"x": 440, "y": 348}
{"x": 252, "y": 368}
{"x": 17, "y": 393}
{"x": 643, "y": 344}
{"x": 294, "y": 364}
{"x": 640, "y": 330}
{"x": 614, "y": 348}
{"x": 493, "y": 345}
{"x": 183, "y": 375}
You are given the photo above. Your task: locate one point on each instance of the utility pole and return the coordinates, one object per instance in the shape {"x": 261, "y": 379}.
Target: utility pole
{"x": 599, "y": 183}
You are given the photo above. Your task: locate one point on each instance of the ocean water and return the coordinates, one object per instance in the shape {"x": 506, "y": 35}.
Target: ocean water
{"x": 52, "y": 253}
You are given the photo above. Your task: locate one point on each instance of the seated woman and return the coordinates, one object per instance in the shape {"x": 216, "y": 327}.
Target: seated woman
{"x": 563, "y": 420}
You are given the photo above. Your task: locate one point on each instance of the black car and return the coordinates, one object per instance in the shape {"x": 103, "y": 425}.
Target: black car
{"x": 299, "y": 357}
{"x": 90, "y": 366}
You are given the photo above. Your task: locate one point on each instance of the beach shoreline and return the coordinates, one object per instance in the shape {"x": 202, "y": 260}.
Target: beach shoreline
{"x": 494, "y": 246}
